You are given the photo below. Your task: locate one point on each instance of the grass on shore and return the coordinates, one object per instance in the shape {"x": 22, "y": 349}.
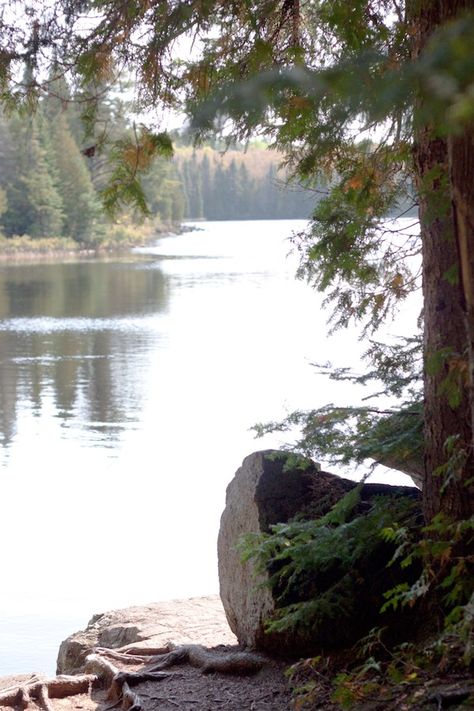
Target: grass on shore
{"x": 121, "y": 235}
{"x": 21, "y": 245}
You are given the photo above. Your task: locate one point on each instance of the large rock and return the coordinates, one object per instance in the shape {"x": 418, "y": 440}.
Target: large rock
{"x": 272, "y": 487}
{"x": 267, "y": 489}
{"x": 198, "y": 620}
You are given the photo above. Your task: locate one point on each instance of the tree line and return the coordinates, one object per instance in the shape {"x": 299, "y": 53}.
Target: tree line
{"x": 53, "y": 176}
{"x": 243, "y": 184}
{"x": 51, "y": 182}
{"x": 46, "y": 187}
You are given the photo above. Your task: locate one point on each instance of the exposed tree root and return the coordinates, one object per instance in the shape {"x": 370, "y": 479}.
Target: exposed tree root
{"x": 132, "y": 650}
{"x": 131, "y": 658}
{"x": 155, "y": 658}
{"x": 120, "y": 692}
{"x": 43, "y": 698}
{"x": 96, "y": 664}
{"x": 41, "y": 691}
{"x": 237, "y": 662}
{"x": 101, "y": 671}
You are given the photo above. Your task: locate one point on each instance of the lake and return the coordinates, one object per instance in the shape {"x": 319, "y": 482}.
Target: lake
{"x": 128, "y": 389}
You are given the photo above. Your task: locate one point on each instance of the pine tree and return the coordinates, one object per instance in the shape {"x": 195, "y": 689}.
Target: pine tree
{"x": 220, "y": 196}
{"x": 206, "y": 182}
{"x": 3, "y": 207}
{"x": 34, "y": 205}
{"x": 82, "y": 215}
{"x": 245, "y": 193}
{"x": 194, "y": 189}
{"x": 164, "y": 192}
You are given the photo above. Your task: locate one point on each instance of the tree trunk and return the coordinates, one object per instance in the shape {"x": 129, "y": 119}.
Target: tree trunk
{"x": 461, "y": 163}
{"x": 449, "y": 461}
{"x": 444, "y": 333}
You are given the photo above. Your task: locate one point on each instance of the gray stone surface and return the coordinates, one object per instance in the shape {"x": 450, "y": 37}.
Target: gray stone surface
{"x": 263, "y": 492}
{"x": 199, "y": 620}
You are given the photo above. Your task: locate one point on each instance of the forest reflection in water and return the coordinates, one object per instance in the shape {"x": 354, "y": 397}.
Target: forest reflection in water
{"x": 128, "y": 387}
{"x": 68, "y": 332}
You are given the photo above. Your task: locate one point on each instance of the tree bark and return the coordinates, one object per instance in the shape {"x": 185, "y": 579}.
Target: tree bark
{"x": 461, "y": 163}
{"x": 442, "y": 218}
{"x": 444, "y": 332}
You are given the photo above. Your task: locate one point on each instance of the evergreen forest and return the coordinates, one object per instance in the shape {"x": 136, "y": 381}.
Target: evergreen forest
{"x": 46, "y": 187}
{"x": 53, "y": 179}
{"x": 239, "y": 185}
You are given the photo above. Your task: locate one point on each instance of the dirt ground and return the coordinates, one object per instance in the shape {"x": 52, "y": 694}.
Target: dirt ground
{"x": 188, "y": 688}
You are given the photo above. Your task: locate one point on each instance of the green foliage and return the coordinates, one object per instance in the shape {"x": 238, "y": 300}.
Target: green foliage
{"x": 455, "y": 366}
{"x": 52, "y": 185}
{"x": 284, "y": 51}
{"x": 343, "y": 435}
{"x": 343, "y": 255}
{"x": 312, "y": 77}
{"x": 33, "y": 195}
{"x": 164, "y": 192}
{"x": 17, "y": 246}
{"x": 377, "y": 671}
{"x": 443, "y": 551}
{"x": 390, "y": 436}
{"x": 82, "y": 218}
{"x": 129, "y": 158}
{"x": 303, "y": 74}
{"x": 377, "y": 676}
{"x": 314, "y": 565}
{"x": 446, "y": 70}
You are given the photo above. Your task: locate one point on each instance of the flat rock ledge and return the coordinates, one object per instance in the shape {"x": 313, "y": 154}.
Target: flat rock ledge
{"x": 197, "y": 620}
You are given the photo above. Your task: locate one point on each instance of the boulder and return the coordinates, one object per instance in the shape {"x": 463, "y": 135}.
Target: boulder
{"x": 262, "y": 493}
{"x": 198, "y": 620}
{"x": 272, "y": 487}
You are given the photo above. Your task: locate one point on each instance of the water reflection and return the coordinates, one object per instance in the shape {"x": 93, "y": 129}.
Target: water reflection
{"x": 76, "y": 331}
{"x": 98, "y": 289}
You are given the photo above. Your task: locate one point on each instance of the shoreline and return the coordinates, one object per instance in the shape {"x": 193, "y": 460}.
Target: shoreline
{"x": 25, "y": 249}
{"x": 108, "y": 662}
{"x": 40, "y": 255}
{"x": 198, "y": 619}
{"x": 17, "y": 256}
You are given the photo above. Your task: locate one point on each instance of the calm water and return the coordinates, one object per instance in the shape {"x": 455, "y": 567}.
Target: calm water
{"x": 128, "y": 387}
